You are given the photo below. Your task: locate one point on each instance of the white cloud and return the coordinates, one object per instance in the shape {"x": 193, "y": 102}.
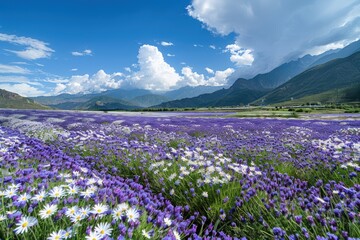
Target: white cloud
{"x": 240, "y": 56}
{"x": 191, "y": 78}
{"x": 209, "y": 70}
{"x": 13, "y": 69}
{"x": 166, "y": 44}
{"x": 170, "y": 55}
{"x": 22, "y": 89}
{"x": 127, "y": 69}
{"x": 98, "y": 82}
{"x": 13, "y": 79}
{"x": 212, "y": 47}
{"x": 35, "y": 49}
{"x": 73, "y": 69}
{"x": 280, "y": 30}
{"x": 86, "y": 52}
{"x": 154, "y": 73}
{"x": 221, "y": 77}
{"x": 198, "y": 45}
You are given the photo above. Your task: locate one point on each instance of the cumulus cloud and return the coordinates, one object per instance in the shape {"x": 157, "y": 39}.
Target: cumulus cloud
{"x": 98, "y": 82}
{"x": 166, "y": 44}
{"x": 240, "y": 56}
{"x": 170, "y": 55}
{"x": 154, "y": 73}
{"x": 274, "y": 32}
{"x": 151, "y": 73}
{"x": 13, "y": 69}
{"x": 209, "y": 70}
{"x": 22, "y": 89}
{"x": 86, "y": 52}
{"x": 35, "y": 49}
{"x": 191, "y": 78}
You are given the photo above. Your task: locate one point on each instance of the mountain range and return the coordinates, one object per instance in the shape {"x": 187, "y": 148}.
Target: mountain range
{"x": 14, "y": 100}
{"x": 244, "y": 92}
{"x": 333, "y": 76}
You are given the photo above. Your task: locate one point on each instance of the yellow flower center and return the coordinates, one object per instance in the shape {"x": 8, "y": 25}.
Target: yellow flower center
{"x": 48, "y": 211}
{"x": 25, "y": 224}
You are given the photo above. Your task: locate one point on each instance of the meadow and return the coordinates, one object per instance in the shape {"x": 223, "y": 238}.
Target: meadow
{"x": 84, "y": 175}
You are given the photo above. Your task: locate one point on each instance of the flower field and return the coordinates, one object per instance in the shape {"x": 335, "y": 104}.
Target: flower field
{"x": 78, "y": 175}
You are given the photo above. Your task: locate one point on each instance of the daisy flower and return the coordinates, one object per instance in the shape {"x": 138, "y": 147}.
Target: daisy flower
{"x": 77, "y": 217}
{"x": 99, "y": 209}
{"x": 40, "y": 196}
{"x": 119, "y": 210}
{"x": 68, "y": 233}
{"x": 48, "y": 211}
{"x": 9, "y": 193}
{"x": 132, "y": 214}
{"x": 176, "y": 235}
{"x": 71, "y": 211}
{"x": 205, "y": 194}
{"x": 57, "y": 192}
{"x": 56, "y": 235}
{"x": 167, "y": 221}
{"x": 103, "y": 229}
{"x": 24, "y": 224}
{"x": 84, "y": 211}
{"x": 2, "y": 217}
{"x": 146, "y": 234}
{"x": 93, "y": 236}
{"x": 24, "y": 197}
{"x": 73, "y": 190}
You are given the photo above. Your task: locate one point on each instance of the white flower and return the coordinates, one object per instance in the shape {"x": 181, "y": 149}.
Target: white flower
{"x": 132, "y": 214}
{"x": 56, "y": 235}
{"x": 103, "y": 229}
{"x": 48, "y": 211}
{"x": 119, "y": 210}
{"x": 205, "y": 194}
{"x": 167, "y": 221}
{"x": 9, "y": 193}
{"x": 172, "y": 192}
{"x": 71, "y": 211}
{"x": 24, "y": 197}
{"x": 99, "y": 209}
{"x": 2, "y": 217}
{"x": 146, "y": 234}
{"x": 14, "y": 186}
{"x": 172, "y": 176}
{"x": 93, "y": 236}
{"x": 77, "y": 217}
{"x": 24, "y": 224}
{"x": 84, "y": 211}
{"x": 57, "y": 192}
{"x": 73, "y": 190}
{"x": 40, "y": 196}
{"x": 176, "y": 235}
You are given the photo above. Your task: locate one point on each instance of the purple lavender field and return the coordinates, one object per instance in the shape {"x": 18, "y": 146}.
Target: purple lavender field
{"x": 79, "y": 175}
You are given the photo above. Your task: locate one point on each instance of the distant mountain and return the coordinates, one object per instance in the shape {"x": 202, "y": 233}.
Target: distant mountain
{"x": 241, "y": 92}
{"x": 124, "y": 94}
{"x": 345, "y": 52}
{"x": 63, "y": 98}
{"x": 189, "y": 92}
{"x": 105, "y": 103}
{"x": 149, "y": 100}
{"x": 338, "y": 74}
{"x": 14, "y": 100}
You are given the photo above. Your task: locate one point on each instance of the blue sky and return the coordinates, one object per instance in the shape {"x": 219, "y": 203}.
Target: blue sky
{"x": 48, "y": 48}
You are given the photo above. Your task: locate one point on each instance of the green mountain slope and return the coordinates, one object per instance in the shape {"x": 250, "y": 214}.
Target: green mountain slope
{"x": 104, "y": 103}
{"x": 335, "y": 75}
{"x": 240, "y": 93}
{"x": 13, "y": 100}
